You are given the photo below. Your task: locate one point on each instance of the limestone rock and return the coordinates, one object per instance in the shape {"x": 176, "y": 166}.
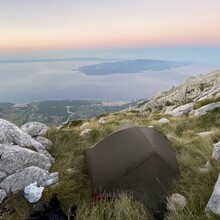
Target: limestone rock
{"x": 2, "y": 175}
{"x": 17, "y": 181}
{"x": 11, "y": 134}
{"x": 3, "y": 194}
{"x": 52, "y": 178}
{"x": 179, "y": 111}
{"x": 84, "y": 132}
{"x": 205, "y": 133}
{"x": 14, "y": 158}
{"x": 151, "y": 126}
{"x": 34, "y": 128}
{"x": 164, "y": 121}
{"x": 47, "y": 144}
{"x": 216, "y": 151}
{"x": 214, "y": 201}
{"x": 176, "y": 202}
{"x": 102, "y": 120}
{"x": 204, "y": 109}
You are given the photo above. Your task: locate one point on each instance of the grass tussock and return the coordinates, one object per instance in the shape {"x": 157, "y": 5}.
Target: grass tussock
{"x": 192, "y": 152}
{"x": 123, "y": 207}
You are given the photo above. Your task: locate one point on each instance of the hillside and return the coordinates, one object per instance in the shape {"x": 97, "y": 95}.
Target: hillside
{"x": 195, "y": 92}
{"x": 190, "y": 135}
{"x": 55, "y": 112}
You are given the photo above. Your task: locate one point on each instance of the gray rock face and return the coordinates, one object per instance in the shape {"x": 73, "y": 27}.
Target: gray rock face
{"x": 11, "y": 134}
{"x": 17, "y": 181}
{"x": 204, "y": 109}
{"x": 3, "y": 194}
{"x": 2, "y": 175}
{"x": 34, "y": 128}
{"x": 179, "y": 111}
{"x": 47, "y": 144}
{"x": 14, "y": 158}
{"x": 214, "y": 201}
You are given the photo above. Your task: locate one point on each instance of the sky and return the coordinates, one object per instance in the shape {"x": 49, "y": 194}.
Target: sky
{"x": 72, "y": 28}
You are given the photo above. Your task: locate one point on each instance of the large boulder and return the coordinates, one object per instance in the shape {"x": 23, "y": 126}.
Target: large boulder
{"x": 34, "y": 129}
{"x": 214, "y": 201}
{"x": 11, "y": 134}
{"x": 17, "y": 181}
{"x": 14, "y": 158}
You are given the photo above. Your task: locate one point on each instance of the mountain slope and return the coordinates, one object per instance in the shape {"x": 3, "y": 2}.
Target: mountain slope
{"x": 194, "y": 89}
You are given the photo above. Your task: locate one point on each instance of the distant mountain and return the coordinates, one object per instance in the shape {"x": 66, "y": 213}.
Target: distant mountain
{"x": 57, "y": 112}
{"x": 129, "y": 66}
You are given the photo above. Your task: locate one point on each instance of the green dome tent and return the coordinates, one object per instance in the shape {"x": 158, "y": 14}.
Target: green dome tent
{"x": 135, "y": 160}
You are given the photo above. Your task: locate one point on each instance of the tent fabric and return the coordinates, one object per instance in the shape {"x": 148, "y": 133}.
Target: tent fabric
{"x": 136, "y": 160}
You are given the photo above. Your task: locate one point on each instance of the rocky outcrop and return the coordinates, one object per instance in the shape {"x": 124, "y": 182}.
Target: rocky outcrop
{"x": 204, "y": 109}
{"x": 17, "y": 181}
{"x": 34, "y": 129}
{"x": 190, "y": 91}
{"x": 14, "y": 158}
{"x": 23, "y": 159}
{"x": 11, "y": 134}
{"x": 179, "y": 111}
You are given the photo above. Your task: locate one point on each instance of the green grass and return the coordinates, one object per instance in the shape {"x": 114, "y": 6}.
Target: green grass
{"x": 74, "y": 186}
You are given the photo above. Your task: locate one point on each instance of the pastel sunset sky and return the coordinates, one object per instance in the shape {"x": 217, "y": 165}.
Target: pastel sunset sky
{"x": 28, "y": 26}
